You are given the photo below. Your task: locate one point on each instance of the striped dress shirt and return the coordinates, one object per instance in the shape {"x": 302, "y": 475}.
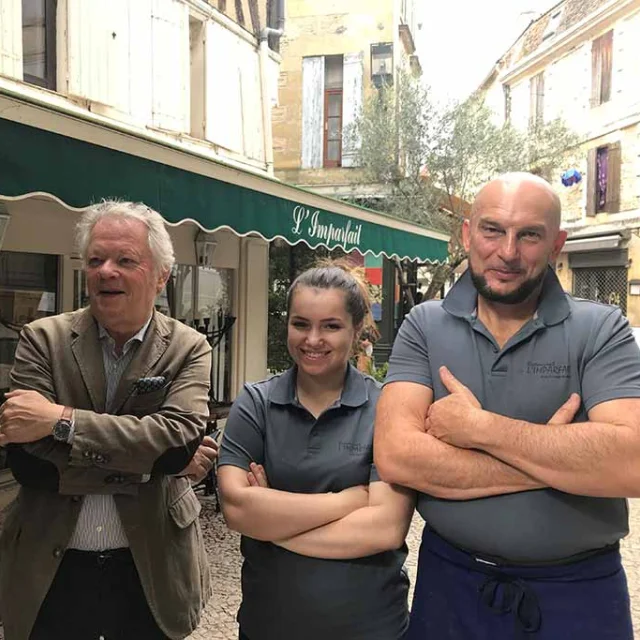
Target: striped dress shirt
{"x": 99, "y": 526}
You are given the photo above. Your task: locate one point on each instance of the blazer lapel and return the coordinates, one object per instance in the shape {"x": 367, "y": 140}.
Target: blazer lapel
{"x": 86, "y": 349}
{"x": 147, "y": 355}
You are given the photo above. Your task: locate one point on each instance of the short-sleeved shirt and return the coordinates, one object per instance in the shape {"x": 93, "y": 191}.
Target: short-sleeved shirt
{"x": 287, "y": 596}
{"x": 570, "y": 345}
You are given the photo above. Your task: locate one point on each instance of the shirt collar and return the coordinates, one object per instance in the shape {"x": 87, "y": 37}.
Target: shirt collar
{"x": 553, "y": 307}
{"x": 138, "y": 337}
{"x": 354, "y": 392}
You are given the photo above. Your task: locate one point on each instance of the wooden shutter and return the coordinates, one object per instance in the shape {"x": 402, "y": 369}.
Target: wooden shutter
{"x": 606, "y": 66}
{"x": 99, "y": 36}
{"x": 171, "y": 75}
{"x": 353, "y": 74}
{"x": 540, "y": 98}
{"x": 223, "y": 94}
{"x": 11, "y": 38}
{"x": 596, "y": 69}
{"x": 592, "y": 176}
{"x": 614, "y": 161}
{"x": 312, "y": 112}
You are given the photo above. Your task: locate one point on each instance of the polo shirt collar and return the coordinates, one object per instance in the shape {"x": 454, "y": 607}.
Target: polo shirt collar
{"x": 354, "y": 392}
{"x": 553, "y": 307}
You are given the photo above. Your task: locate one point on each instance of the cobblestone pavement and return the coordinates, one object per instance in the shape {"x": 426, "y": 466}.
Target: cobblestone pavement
{"x": 218, "y": 621}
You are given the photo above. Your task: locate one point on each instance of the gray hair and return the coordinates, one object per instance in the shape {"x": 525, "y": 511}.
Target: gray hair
{"x": 159, "y": 239}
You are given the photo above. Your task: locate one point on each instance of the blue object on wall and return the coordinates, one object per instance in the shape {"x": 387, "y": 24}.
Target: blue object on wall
{"x": 571, "y": 177}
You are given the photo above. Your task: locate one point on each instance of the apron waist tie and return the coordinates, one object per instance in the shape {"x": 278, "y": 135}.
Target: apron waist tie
{"x": 505, "y": 594}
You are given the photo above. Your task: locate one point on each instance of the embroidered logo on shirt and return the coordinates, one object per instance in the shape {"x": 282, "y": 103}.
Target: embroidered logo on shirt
{"x": 354, "y": 448}
{"x": 548, "y": 369}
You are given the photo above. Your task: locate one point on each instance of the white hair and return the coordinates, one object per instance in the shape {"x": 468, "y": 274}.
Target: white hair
{"x": 159, "y": 240}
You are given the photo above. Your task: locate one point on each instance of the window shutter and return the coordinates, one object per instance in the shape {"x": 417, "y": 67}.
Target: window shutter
{"x": 99, "y": 36}
{"x": 540, "y": 99}
{"x": 606, "y": 66}
{"x": 223, "y": 101}
{"x": 613, "y": 178}
{"x": 595, "y": 73}
{"x": 353, "y": 73}
{"x": 532, "y": 102}
{"x": 171, "y": 74}
{"x": 11, "y": 38}
{"x": 251, "y": 94}
{"x": 312, "y": 112}
{"x": 592, "y": 174}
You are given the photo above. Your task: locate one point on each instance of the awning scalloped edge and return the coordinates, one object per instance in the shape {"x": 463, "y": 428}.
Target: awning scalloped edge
{"x": 54, "y": 198}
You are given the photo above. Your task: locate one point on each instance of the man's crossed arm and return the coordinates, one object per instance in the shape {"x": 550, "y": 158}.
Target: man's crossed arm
{"x": 407, "y": 453}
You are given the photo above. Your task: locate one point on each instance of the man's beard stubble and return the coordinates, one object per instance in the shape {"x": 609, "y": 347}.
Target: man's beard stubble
{"x": 519, "y": 295}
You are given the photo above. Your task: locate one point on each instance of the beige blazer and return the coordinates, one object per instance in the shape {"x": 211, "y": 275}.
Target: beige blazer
{"x": 152, "y": 433}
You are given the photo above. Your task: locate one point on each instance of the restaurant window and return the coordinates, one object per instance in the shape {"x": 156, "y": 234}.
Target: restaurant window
{"x": 333, "y": 111}
{"x": 28, "y": 291}
{"x": 39, "y": 42}
{"x": 202, "y": 297}
{"x": 601, "y": 65}
{"x": 603, "y": 179}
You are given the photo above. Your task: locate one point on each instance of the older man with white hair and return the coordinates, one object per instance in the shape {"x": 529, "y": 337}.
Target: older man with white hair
{"x": 104, "y": 422}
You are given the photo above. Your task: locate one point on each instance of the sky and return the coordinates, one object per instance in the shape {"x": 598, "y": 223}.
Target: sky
{"x": 460, "y": 40}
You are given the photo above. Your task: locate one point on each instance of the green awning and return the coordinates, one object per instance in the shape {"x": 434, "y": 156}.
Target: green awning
{"x": 79, "y": 173}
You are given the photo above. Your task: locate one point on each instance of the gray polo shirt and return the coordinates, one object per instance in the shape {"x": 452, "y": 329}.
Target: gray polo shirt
{"x": 569, "y": 346}
{"x": 287, "y": 596}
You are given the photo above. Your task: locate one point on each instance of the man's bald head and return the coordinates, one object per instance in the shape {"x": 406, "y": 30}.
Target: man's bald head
{"x": 520, "y": 187}
{"x": 513, "y": 234}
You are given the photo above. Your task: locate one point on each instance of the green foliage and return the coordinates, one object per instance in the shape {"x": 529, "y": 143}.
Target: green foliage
{"x": 380, "y": 373}
{"x": 430, "y": 161}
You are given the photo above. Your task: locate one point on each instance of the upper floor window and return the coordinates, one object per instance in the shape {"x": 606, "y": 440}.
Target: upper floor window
{"x": 601, "y": 65}
{"x": 552, "y": 25}
{"x": 536, "y": 100}
{"x": 603, "y": 179}
{"x": 39, "y": 42}
{"x": 382, "y": 64}
{"x": 333, "y": 80}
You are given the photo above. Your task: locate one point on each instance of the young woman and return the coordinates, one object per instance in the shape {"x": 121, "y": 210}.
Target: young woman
{"x": 323, "y": 537}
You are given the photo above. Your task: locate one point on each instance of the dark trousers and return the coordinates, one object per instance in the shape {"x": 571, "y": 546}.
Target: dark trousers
{"x": 241, "y": 636}
{"x": 459, "y": 597}
{"x": 96, "y": 595}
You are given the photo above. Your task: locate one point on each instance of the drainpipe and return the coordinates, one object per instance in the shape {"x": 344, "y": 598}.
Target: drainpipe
{"x": 264, "y": 85}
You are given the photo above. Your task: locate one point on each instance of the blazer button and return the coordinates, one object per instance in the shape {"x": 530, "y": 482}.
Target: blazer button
{"x": 76, "y": 498}
{"x": 99, "y": 458}
{"x": 57, "y": 552}
{"x": 110, "y": 479}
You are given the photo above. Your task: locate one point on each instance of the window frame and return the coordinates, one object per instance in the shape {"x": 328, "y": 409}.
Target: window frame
{"x": 614, "y": 167}
{"x": 326, "y": 163}
{"x": 50, "y": 49}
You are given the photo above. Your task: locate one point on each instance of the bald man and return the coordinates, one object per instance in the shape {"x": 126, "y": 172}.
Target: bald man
{"x": 514, "y": 410}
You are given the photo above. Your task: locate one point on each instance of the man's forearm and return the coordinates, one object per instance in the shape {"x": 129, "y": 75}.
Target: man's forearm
{"x": 588, "y": 458}
{"x": 426, "y": 464}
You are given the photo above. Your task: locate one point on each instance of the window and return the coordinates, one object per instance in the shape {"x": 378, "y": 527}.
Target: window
{"x": 202, "y": 298}
{"x": 333, "y": 77}
{"x": 382, "y": 64}
{"x": 552, "y": 25}
{"x": 39, "y": 42}
{"x": 28, "y": 288}
{"x": 536, "y": 100}
{"x": 603, "y": 179}
{"x": 601, "y": 60}
{"x": 507, "y": 103}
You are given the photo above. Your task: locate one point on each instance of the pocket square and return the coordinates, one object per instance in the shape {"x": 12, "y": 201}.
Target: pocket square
{"x": 146, "y": 385}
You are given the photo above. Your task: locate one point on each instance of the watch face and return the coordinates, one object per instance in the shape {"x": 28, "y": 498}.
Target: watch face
{"x": 61, "y": 430}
